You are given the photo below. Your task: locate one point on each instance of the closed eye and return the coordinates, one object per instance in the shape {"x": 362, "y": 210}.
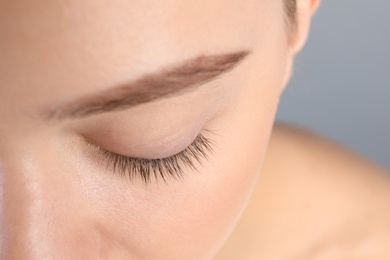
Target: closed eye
{"x": 161, "y": 168}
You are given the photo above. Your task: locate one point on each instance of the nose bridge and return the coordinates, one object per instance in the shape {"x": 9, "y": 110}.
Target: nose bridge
{"x": 24, "y": 208}
{"x": 38, "y": 215}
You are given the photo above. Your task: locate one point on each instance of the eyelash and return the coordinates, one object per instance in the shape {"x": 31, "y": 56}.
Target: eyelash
{"x": 171, "y": 166}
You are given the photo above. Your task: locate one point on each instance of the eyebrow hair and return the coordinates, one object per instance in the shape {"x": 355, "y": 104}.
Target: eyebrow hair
{"x": 169, "y": 82}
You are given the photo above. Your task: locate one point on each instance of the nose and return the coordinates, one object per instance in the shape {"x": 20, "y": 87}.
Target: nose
{"x": 42, "y": 214}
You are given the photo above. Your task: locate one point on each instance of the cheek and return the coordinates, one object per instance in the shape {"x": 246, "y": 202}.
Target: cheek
{"x": 188, "y": 219}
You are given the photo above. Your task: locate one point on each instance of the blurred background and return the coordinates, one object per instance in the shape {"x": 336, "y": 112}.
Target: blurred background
{"x": 341, "y": 82}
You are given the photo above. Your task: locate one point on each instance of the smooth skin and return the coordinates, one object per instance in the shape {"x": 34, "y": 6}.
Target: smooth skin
{"x": 57, "y": 203}
{"x": 314, "y": 200}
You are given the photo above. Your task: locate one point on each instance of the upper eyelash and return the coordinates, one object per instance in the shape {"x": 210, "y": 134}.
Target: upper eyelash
{"x": 158, "y": 168}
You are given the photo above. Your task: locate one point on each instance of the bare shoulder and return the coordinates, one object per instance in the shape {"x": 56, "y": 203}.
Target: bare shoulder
{"x": 314, "y": 200}
{"x": 315, "y": 156}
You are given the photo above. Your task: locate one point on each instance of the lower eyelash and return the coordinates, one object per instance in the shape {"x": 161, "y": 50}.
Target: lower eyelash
{"x": 158, "y": 168}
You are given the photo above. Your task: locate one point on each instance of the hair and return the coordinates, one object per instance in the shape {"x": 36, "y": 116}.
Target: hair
{"x": 291, "y": 13}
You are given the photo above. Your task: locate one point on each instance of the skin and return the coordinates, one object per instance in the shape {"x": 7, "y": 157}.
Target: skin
{"x": 57, "y": 203}
{"x": 323, "y": 202}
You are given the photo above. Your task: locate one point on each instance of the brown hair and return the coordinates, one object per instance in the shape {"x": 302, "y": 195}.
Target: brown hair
{"x": 291, "y": 13}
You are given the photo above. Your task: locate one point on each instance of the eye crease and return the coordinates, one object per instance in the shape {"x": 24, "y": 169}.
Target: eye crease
{"x": 161, "y": 168}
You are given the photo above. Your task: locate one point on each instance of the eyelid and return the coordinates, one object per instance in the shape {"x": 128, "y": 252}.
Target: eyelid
{"x": 162, "y": 168}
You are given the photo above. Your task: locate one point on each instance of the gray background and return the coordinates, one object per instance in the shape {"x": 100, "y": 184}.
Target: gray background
{"x": 341, "y": 81}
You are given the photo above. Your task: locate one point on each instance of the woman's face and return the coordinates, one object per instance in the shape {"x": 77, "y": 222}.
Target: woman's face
{"x": 83, "y": 82}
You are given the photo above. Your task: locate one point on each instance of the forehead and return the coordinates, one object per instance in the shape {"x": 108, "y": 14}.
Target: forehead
{"x": 139, "y": 26}
{"x": 59, "y": 45}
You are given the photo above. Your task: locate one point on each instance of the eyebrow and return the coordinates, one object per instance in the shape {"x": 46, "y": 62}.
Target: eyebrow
{"x": 172, "y": 81}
